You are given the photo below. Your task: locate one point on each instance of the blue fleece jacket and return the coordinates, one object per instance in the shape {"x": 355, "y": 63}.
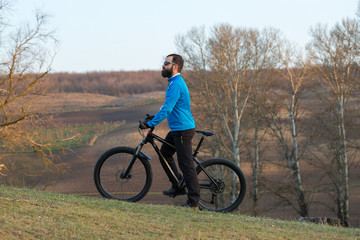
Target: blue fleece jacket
{"x": 176, "y": 107}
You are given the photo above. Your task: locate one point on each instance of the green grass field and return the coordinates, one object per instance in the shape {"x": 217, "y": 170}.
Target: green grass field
{"x": 28, "y": 214}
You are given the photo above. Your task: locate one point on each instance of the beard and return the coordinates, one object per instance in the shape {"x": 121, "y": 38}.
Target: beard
{"x": 167, "y": 73}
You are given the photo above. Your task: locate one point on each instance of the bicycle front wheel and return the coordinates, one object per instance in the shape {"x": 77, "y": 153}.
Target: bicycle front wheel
{"x": 222, "y": 185}
{"x": 110, "y": 179}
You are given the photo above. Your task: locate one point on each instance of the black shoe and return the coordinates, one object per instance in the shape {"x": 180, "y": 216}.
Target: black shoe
{"x": 173, "y": 192}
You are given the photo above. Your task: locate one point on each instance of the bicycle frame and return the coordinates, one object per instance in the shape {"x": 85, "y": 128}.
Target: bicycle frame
{"x": 222, "y": 183}
{"x": 149, "y": 138}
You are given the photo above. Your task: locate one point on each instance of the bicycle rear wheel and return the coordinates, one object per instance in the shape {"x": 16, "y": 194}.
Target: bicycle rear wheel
{"x": 110, "y": 180}
{"x": 227, "y": 188}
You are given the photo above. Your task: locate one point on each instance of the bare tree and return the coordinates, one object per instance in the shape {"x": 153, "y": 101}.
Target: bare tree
{"x": 224, "y": 69}
{"x": 256, "y": 139}
{"x": 194, "y": 48}
{"x": 324, "y": 150}
{"x": 267, "y": 41}
{"x": 225, "y": 65}
{"x": 26, "y": 58}
{"x": 293, "y": 70}
{"x": 335, "y": 55}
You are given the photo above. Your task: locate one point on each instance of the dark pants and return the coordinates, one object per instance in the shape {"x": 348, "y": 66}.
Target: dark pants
{"x": 182, "y": 141}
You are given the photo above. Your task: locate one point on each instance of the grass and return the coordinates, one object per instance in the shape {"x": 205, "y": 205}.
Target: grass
{"x": 74, "y": 102}
{"x": 69, "y": 137}
{"x": 83, "y": 134}
{"x": 29, "y": 214}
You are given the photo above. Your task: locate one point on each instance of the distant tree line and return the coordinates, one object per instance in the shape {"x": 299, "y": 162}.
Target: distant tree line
{"x": 109, "y": 83}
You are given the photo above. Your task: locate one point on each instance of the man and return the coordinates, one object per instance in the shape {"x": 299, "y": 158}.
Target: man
{"x": 182, "y": 128}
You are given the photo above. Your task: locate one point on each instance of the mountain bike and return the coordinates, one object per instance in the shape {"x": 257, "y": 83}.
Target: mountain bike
{"x": 125, "y": 173}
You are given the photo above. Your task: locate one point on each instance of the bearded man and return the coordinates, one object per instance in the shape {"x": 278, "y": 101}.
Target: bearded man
{"x": 176, "y": 109}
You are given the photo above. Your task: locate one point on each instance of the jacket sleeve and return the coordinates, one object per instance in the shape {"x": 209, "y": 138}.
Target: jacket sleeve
{"x": 171, "y": 98}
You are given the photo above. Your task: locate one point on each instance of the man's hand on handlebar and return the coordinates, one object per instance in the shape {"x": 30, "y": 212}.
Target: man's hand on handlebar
{"x": 144, "y": 125}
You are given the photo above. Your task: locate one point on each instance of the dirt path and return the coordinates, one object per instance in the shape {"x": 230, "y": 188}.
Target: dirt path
{"x": 130, "y": 115}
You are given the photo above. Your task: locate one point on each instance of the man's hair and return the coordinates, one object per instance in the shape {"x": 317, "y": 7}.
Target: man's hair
{"x": 178, "y": 60}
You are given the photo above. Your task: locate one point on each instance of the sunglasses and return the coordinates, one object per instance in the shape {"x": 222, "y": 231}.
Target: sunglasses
{"x": 167, "y": 63}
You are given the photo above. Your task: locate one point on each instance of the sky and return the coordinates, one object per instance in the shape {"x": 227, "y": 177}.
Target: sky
{"x": 126, "y": 35}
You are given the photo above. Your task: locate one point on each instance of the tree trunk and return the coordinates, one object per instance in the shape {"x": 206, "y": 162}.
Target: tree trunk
{"x": 255, "y": 170}
{"x": 295, "y": 166}
{"x": 344, "y": 163}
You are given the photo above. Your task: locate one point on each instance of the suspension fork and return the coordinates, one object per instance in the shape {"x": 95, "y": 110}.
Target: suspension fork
{"x": 126, "y": 173}
{"x": 147, "y": 139}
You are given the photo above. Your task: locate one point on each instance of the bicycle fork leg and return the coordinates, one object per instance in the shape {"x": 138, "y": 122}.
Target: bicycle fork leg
{"x": 126, "y": 173}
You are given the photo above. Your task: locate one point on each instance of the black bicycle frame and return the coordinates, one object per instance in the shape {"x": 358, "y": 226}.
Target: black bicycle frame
{"x": 150, "y": 139}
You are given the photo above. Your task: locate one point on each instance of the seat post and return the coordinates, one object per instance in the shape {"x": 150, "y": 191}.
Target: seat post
{"x": 198, "y": 146}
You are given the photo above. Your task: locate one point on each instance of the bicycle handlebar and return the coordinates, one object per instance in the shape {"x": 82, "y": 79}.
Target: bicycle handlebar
{"x": 202, "y": 132}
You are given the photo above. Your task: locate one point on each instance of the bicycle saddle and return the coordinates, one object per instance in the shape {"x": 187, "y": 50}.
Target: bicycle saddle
{"x": 206, "y": 133}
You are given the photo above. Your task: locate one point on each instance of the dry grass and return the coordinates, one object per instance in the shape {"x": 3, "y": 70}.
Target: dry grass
{"x": 27, "y": 214}
{"x": 64, "y": 102}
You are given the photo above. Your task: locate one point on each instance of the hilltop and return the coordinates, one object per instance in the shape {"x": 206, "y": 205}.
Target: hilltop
{"x": 29, "y": 214}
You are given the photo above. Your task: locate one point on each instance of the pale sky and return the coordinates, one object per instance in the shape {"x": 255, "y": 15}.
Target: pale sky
{"x": 114, "y": 35}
